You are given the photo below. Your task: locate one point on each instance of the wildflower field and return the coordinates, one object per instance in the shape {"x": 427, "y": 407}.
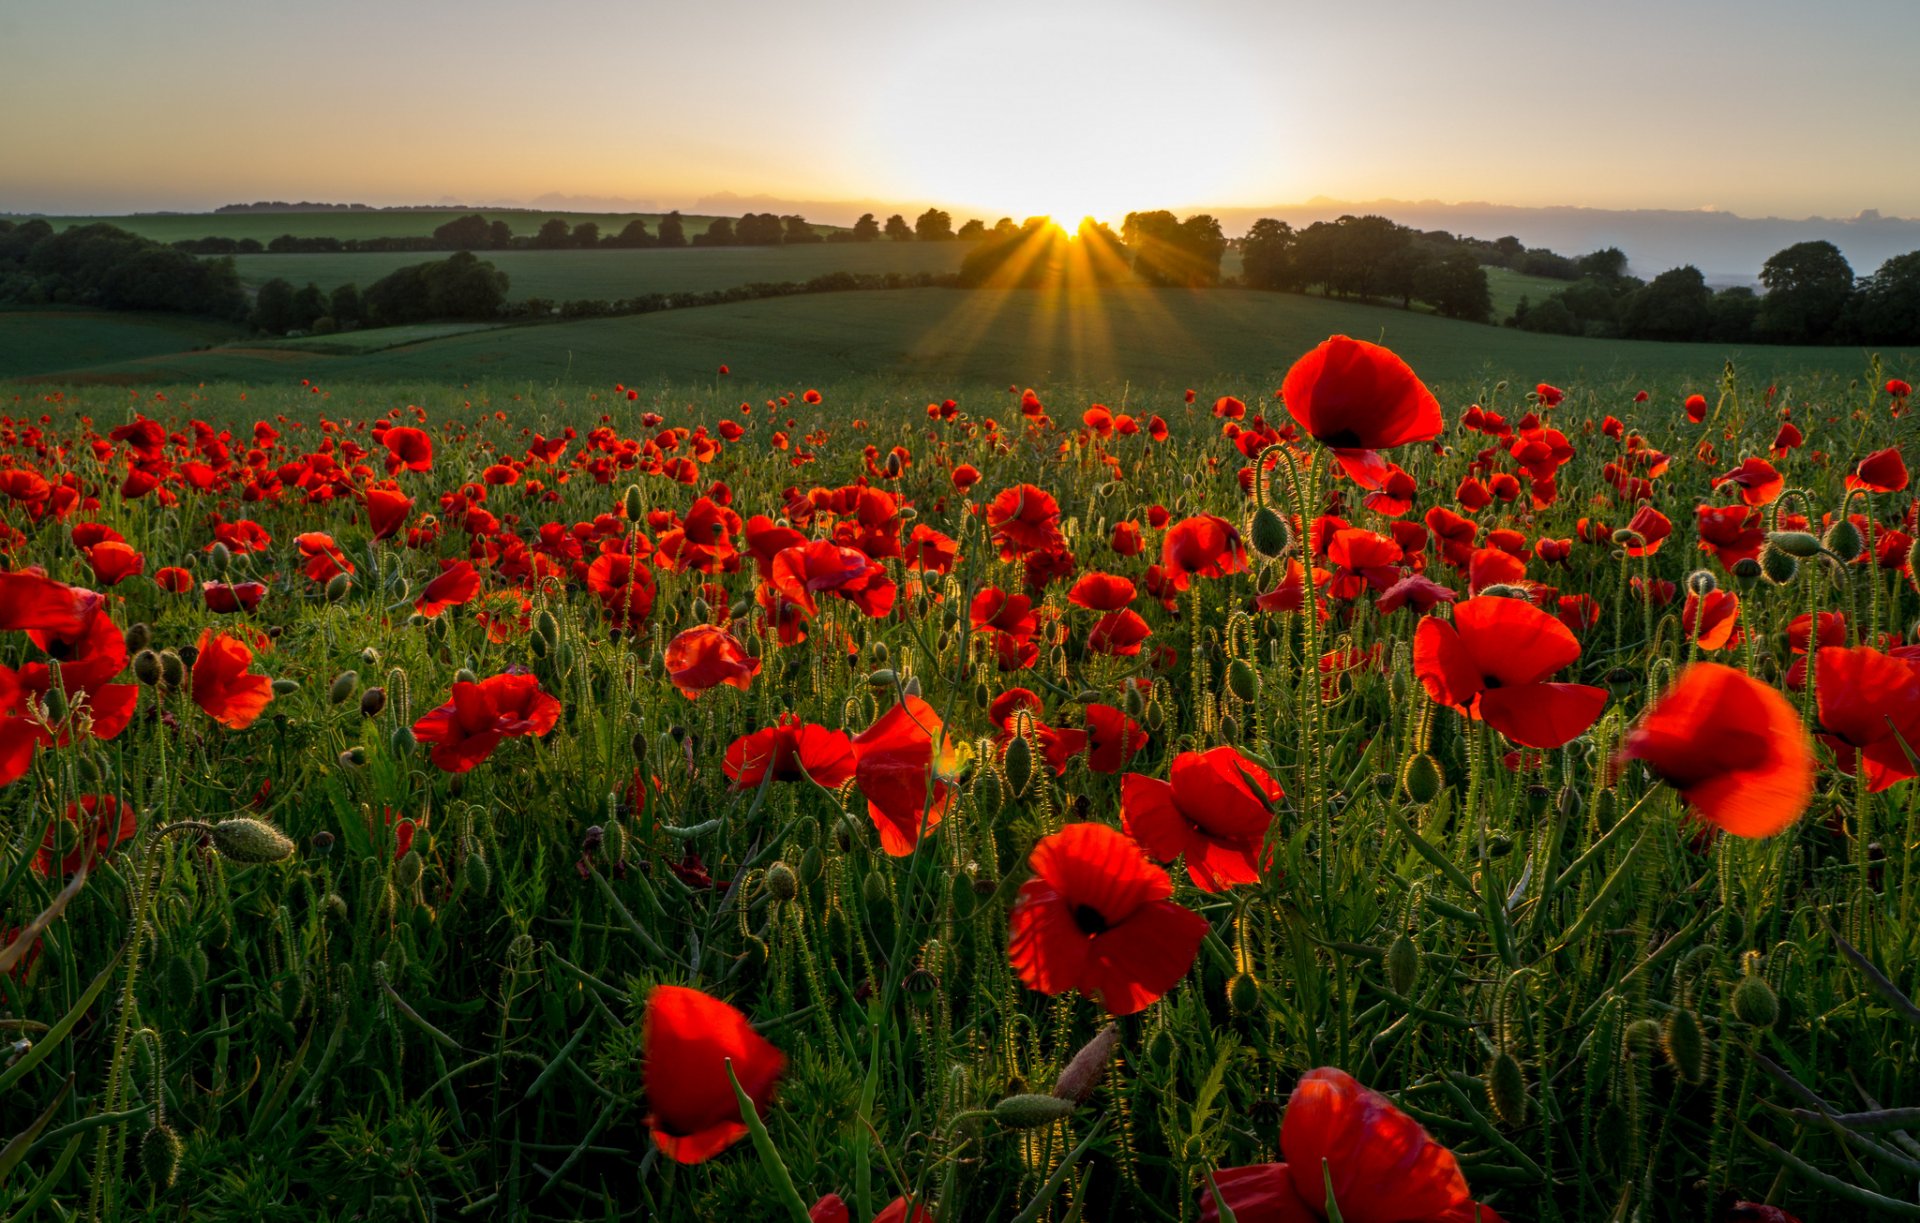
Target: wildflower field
{"x": 1353, "y": 800}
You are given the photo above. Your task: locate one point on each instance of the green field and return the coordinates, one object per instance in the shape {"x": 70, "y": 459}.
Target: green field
{"x": 266, "y": 226}
{"x": 944, "y": 338}
{"x": 49, "y": 341}
{"x": 612, "y": 274}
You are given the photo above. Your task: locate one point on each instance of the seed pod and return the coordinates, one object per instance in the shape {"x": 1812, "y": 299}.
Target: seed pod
{"x": 1797, "y": 544}
{"x": 1702, "y": 582}
{"x": 250, "y": 841}
{"x": 1422, "y": 778}
{"x": 372, "y": 701}
{"x": 1082, "y": 1074}
{"x": 1685, "y": 1045}
{"x": 1507, "y": 1089}
{"x": 160, "y": 1156}
{"x": 1746, "y": 571}
{"x": 1403, "y": 964}
{"x": 780, "y": 882}
{"x": 1778, "y": 567}
{"x": 1028, "y": 1111}
{"x": 343, "y": 687}
{"x": 146, "y": 667}
{"x": 1018, "y": 764}
{"x": 338, "y": 587}
{"x": 1242, "y": 680}
{"x": 1269, "y": 533}
{"x": 1243, "y": 994}
{"x": 1755, "y": 1003}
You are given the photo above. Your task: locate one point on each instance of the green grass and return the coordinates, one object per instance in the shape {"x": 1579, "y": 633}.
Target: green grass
{"x": 266, "y": 226}
{"x": 1509, "y": 286}
{"x": 48, "y": 341}
{"x": 1240, "y": 341}
{"x": 612, "y": 274}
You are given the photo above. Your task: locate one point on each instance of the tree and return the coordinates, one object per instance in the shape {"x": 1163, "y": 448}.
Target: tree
{"x": 633, "y": 237}
{"x": 469, "y": 233}
{"x": 344, "y": 305}
{"x": 1733, "y": 313}
{"x": 1675, "y": 305}
{"x": 553, "y": 235}
{"x": 308, "y": 304}
{"x": 1807, "y": 289}
{"x": 1607, "y": 264}
{"x": 1266, "y": 256}
{"x": 586, "y": 235}
{"x": 1167, "y": 251}
{"x": 499, "y": 235}
{"x": 897, "y": 229}
{"x": 273, "y": 307}
{"x": 798, "y": 231}
{"x": 1887, "y": 309}
{"x": 672, "y": 231}
{"x": 1004, "y": 226}
{"x": 719, "y": 233}
{"x": 866, "y": 229}
{"x": 758, "y": 229}
{"x": 972, "y": 231}
{"x": 933, "y": 225}
{"x": 1456, "y": 285}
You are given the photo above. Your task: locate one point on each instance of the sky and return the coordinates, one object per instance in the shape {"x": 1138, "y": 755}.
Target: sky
{"x": 1760, "y": 107}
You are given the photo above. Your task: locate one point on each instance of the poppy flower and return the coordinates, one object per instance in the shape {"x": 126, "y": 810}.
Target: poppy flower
{"x": 625, "y": 588}
{"x": 993, "y": 608}
{"x": 1492, "y": 662}
{"x": 799, "y": 573}
{"x": 1113, "y": 738}
{"x": 1415, "y": 591}
{"x": 833, "y": 1209}
{"x": 238, "y": 596}
{"x": 323, "y": 557}
{"x": 1652, "y": 527}
{"x": 1358, "y": 398}
{"x": 790, "y": 750}
{"x": 1869, "y": 704}
{"x": 1343, "y": 1139}
{"x": 1759, "y": 482}
{"x": 113, "y": 562}
{"x": 173, "y": 579}
{"x": 464, "y": 731}
{"x": 690, "y": 1039}
{"x": 35, "y": 601}
{"x": 706, "y": 656}
{"x": 408, "y": 449}
{"x": 1732, "y": 746}
{"x": 1696, "y": 408}
{"x": 1099, "y": 918}
{"x": 1118, "y": 634}
{"x": 1883, "y": 471}
{"x": 1215, "y": 808}
{"x": 1205, "y": 546}
{"x": 1395, "y": 495}
{"x": 222, "y": 685}
{"x": 108, "y": 819}
{"x": 1127, "y": 539}
{"x": 1024, "y": 518}
{"x": 895, "y": 768}
{"x": 455, "y": 586}
{"x": 965, "y": 476}
{"x": 1731, "y": 532}
{"x": 387, "y": 511}
{"x": 1361, "y": 559}
{"x": 1104, "y": 592}
{"x": 1712, "y": 621}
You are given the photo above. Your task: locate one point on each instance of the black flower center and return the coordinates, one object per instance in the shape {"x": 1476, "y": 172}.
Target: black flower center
{"x": 1090, "y": 920}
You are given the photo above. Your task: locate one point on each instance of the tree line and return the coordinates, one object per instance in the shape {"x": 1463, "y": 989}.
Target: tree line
{"x": 108, "y": 268}
{"x": 1812, "y": 296}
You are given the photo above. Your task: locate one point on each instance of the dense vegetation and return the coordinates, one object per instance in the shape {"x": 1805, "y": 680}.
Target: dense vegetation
{"x": 110, "y": 269}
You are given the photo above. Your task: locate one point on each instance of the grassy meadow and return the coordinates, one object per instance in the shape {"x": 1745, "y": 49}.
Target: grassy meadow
{"x": 373, "y": 223}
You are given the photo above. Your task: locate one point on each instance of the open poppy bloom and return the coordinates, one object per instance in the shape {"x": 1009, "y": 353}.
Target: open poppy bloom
{"x": 35, "y": 601}
{"x": 222, "y": 685}
{"x": 1099, "y": 918}
{"x": 1215, "y": 809}
{"x": 113, "y": 562}
{"x": 1205, "y": 545}
{"x": 790, "y": 750}
{"x": 624, "y": 587}
{"x": 1338, "y": 1137}
{"x": 408, "y": 449}
{"x": 833, "y": 1209}
{"x": 1357, "y": 399}
{"x": 1712, "y": 621}
{"x": 1102, "y": 592}
{"x": 1883, "y": 471}
{"x": 466, "y": 729}
{"x": 108, "y": 819}
{"x": 1024, "y": 518}
{"x": 691, "y": 1037}
{"x": 799, "y": 573}
{"x": 905, "y": 787}
{"x": 387, "y": 511}
{"x": 1113, "y": 738}
{"x": 225, "y": 597}
{"x": 455, "y": 586}
{"x": 1492, "y": 663}
{"x": 1732, "y": 746}
{"x": 1869, "y": 703}
{"x": 706, "y": 656}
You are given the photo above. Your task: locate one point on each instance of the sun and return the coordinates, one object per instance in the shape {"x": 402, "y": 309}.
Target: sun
{"x": 1066, "y": 123}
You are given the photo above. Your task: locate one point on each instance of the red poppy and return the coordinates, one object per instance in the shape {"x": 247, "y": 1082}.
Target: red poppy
{"x": 965, "y": 476}
{"x": 790, "y": 750}
{"x": 1358, "y": 398}
{"x": 173, "y": 579}
{"x": 1759, "y": 482}
{"x": 455, "y": 586}
{"x": 1113, "y": 738}
{"x": 1119, "y": 634}
{"x": 1493, "y": 661}
{"x": 323, "y": 557}
{"x": 1215, "y": 809}
{"x": 1712, "y": 621}
{"x": 1361, "y": 559}
{"x": 1102, "y": 592}
{"x": 222, "y": 685}
{"x": 239, "y": 596}
{"x": 823, "y": 566}
{"x": 1024, "y": 518}
{"x": 108, "y": 819}
{"x": 1205, "y": 546}
{"x": 895, "y": 767}
{"x": 408, "y": 448}
{"x": 1099, "y": 918}
{"x": 1652, "y": 527}
{"x": 1731, "y": 532}
{"x": 624, "y": 587}
{"x": 832, "y": 1209}
{"x": 1883, "y": 471}
{"x": 1732, "y": 746}
{"x": 691, "y": 1038}
{"x": 1416, "y": 591}
{"x": 706, "y": 656}
{"x": 35, "y": 601}
{"x": 387, "y": 511}
{"x": 1869, "y": 705}
{"x": 1343, "y": 1140}
{"x": 993, "y": 608}
{"x": 1696, "y": 408}
{"x": 466, "y": 729}
{"x": 1127, "y": 540}
{"x": 113, "y": 562}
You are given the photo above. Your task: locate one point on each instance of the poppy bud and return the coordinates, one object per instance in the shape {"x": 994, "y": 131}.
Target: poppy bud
{"x": 1799, "y": 544}
{"x": 614, "y": 839}
{"x": 1422, "y": 778}
{"x": 372, "y": 701}
{"x": 1135, "y": 701}
{"x": 1755, "y": 1003}
{"x": 1507, "y": 1089}
{"x": 250, "y": 841}
{"x": 1643, "y": 1036}
{"x": 1685, "y": 1045}
{"x": 699, "y": 612}
{"x": 546, "y": 626}
{"x": 146, "y": 667}
{"x": 1018, "y": 764}
{"x": 1913, "y": 564}
{"x": 369, "y": 657}
{"x": 160, "y": 1156}
{"x": 882, "y": 679}
{"x": 1082, "y": 1074}
{"x": 1702, "y": 582}
{"x": 1229, "y": 729}
{"x": 1243, "y": 994}
{"x": 873, "y": 889}
{"x": 138, "y": 636}
{"x": 1504, "y": 590}
{"x": 986, "y": 792}
{"x": 354, "y": 757}
{"x": 401, "y": 740}
{"x": 633, "y": 503}
{"x": 595, "y": 837}
{"x": 56, "y": 702}
{"x": 1778, "y": 567}
{"x": 1242, "y": 681}
{"x": 1269, "y": 533}
{"x": 173, "y": 671}
{"x": 1843, "y": 539}
{"x": 880, "y": 653}
{"x": 1156, "y": 717}
{"x": 1402, "y": 964}
{"x": 476, "y": 873}
{"x": 338, "y": 587}
{"x": 780, "y": 882}
{"x": 1537, "y": 798}
{"x": 465, "y": 675}
{"x": 219, "y": 559}
{"x": 407, "y": 871}
{"x": 342, "y": 687}
{"x": 322, "y": 843}
{"x": 1746, "y": 571}
{"x": 285, "y": 687}
{"x": 336, "y": 904}
{"x": 1028, "y": 1111}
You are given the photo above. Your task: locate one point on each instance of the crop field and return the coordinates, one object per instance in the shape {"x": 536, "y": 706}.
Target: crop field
{"x": 51, "y": 341}
{"x": 266, "y": 226}
{"x": 655, "y": 793}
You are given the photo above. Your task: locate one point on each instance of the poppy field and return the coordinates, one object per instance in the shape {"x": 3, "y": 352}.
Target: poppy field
{"x": 1348, "y": 799}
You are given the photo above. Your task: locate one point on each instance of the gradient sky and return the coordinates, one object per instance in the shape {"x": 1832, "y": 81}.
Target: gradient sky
{"x": 1783, "y": 107}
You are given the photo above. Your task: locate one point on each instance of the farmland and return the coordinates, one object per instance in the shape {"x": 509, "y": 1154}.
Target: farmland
{"x": 373, "y": 223}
